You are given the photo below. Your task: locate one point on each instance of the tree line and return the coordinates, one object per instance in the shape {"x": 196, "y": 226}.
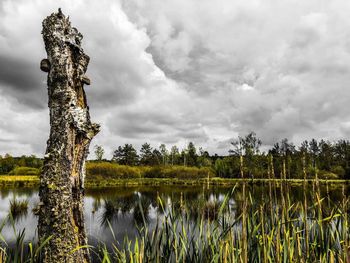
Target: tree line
{"x": 149, "y": 156}
{"x": 8, "y": 162}
{"x": 311, "y": 158}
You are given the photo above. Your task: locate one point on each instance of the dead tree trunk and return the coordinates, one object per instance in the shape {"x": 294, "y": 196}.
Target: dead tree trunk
{"x": 61, "y": 192}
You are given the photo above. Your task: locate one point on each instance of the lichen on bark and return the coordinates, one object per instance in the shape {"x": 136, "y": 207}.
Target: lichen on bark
{"x": 61, "y": 215}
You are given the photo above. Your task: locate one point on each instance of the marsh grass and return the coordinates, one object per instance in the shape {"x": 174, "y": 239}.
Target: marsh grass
{"x": 18, "y": 250}
{"x": 277, "y": 229}
{"x": 106, "y": 170}
{"x": 23, "y": 170}
{"x": 18, "y": 209}
{"x": 14, "y": 181}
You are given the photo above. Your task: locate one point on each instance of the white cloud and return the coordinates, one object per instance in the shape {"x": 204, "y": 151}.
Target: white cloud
{"x": 22, "y": 131}
{"x": 281, "y": 67}
{"x": 180, "y": 71}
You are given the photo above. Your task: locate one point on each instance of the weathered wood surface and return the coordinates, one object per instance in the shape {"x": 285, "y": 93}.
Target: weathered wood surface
{"x": 62, "y": 180}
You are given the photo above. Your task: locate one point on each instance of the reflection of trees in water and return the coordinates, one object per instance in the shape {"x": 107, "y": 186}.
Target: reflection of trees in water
{"x": 211, "y": 209}
{"x": 112, "y": 207}
{"x": 109, "y": 213}
{"x": 135, "y": 204}
{"x": 96, "y": 204}
{"x": 193, "y": 205}
{"x": 19, "y": 192}
{"x": 259, "y": 195}
{"x": 198, "y": 202}
{"x": 138, "y": 205}
{"x": 141, "y": 210}
{"x": 152, "y": 197}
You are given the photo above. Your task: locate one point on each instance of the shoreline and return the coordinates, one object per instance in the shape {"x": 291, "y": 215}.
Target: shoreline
{"x": 10, "y": 181}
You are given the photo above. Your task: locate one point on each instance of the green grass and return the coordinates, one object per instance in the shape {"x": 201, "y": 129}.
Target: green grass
{"x": 7, "y": 181}
{"x": 14, "y": 181}
{"x": 25, "y": 171}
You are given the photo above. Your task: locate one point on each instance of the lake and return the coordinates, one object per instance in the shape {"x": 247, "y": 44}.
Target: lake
{"x": 126, "y": 207}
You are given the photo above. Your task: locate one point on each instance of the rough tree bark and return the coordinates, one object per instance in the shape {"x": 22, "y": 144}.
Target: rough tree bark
{"x": 62, "y": 179}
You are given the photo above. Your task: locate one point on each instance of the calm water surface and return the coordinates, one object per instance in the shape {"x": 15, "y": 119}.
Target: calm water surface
{"x": 122, "y": 206}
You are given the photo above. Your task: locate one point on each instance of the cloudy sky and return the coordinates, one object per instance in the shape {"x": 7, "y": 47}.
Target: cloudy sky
{"x": 178, "y": 71}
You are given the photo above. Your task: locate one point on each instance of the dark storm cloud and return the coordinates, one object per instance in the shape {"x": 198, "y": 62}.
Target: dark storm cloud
{"x": 180, "y": 71}
{"x": 22, "y": 80}
{"x": 19, "y": 74}
{"x": 193, "y": 134}
{"x": 5, "y": 140}
{"x": 223, "y": 145}
{"x": 120, "y": 69}
{"x": 134, "y": 126}
{"x": 142, "y": 117}
{"x": 153, "y": 125}
{"x": 133, "y": 130}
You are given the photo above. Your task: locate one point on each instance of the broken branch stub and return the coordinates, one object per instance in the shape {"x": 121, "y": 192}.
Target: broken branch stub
{"x": 61, "y": 192}
{"x": 45, "y": 65}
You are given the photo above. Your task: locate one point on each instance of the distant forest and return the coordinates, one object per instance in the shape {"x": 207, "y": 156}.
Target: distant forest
{"x": 324, "y": 159}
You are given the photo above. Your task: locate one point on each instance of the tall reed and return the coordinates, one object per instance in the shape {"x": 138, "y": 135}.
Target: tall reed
{"x": 298, "y": 232}
{"x": 274, "y": 230}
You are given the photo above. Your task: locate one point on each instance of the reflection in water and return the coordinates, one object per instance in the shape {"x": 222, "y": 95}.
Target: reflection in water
{"x": 18, "y": 209}
{"x": 134, "y": 204}
{"x": 115, "y": 212}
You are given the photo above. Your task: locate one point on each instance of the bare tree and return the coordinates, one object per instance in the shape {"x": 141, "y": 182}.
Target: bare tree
{"x": 61, "y": 192}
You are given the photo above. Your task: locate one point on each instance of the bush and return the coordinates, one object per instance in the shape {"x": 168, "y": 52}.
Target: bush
{"x": 111, "y": 170}
{"x": 338, "y": 170}
{"x": 25, "y": 171}
{"x": 181, "y": 172}
{"x": 327, "y": 175}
